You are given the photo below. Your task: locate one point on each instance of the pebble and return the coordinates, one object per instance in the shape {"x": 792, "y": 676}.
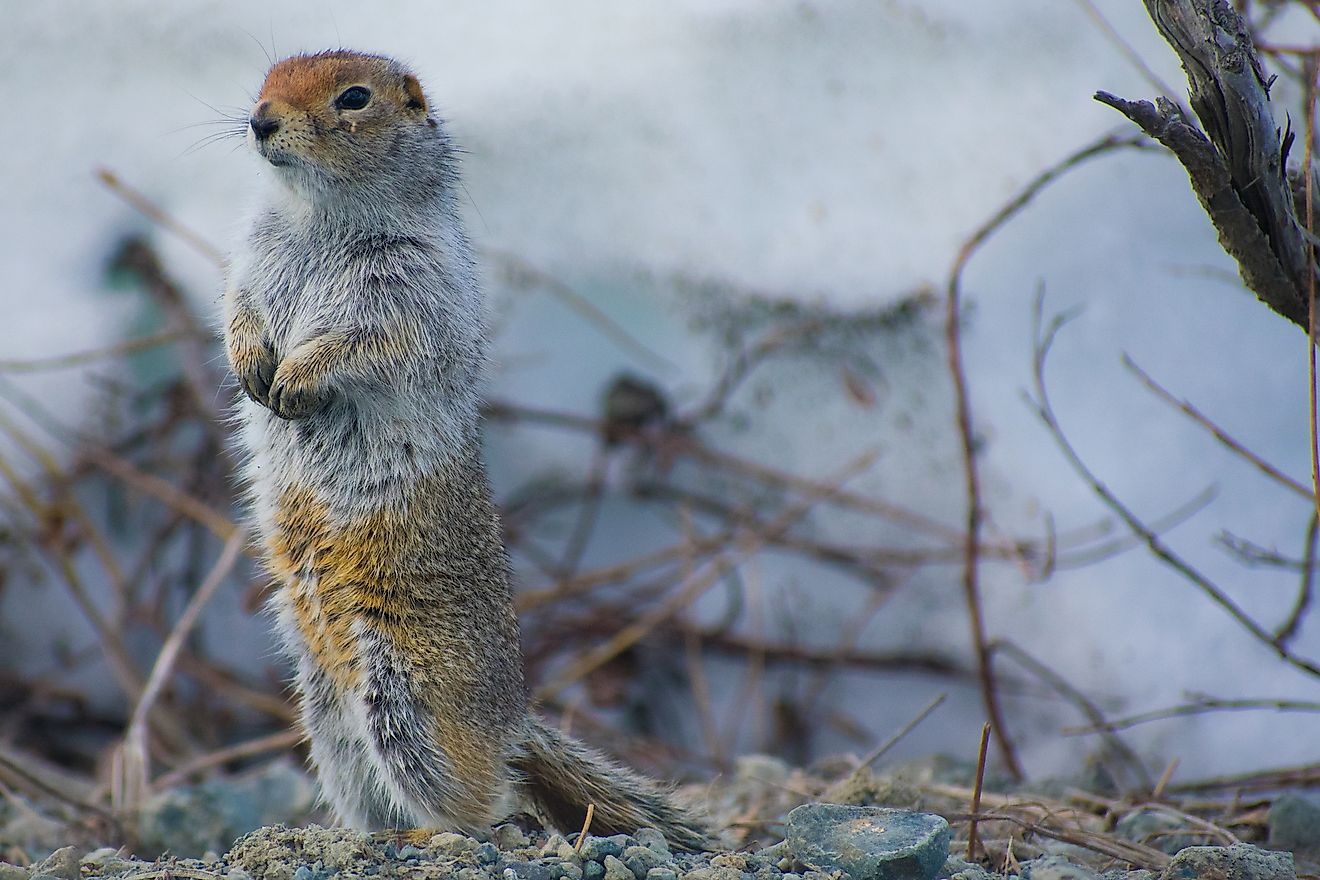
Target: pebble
{"x": 488, "y": 854}
{"x": 303, "y": 873}
{"x": 593, "y": 871}
{"x": 13, "y": 872}
{"x": 508, "y": 837}
{"x": 641, "y": 859}
{"x": 569, "y": 870}
{"x": 528, "y": 871}
{"x": 653, "y": 839}
{"x": 961, "y": 869}
{"x": 616, "y": 870}
{"x": 1241, "y": 860}
{"x": 1294, "y": 823}
{"x": 595, "y": 849}
{"x": 1054, "y": 868}
{"x": 452, "y": 844}
{"x": 661, "y": 874}
{"x": 869, "y": 843}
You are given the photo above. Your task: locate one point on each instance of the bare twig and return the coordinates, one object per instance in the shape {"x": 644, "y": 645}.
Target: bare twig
{"x": 976, "y": 790}
{"x": 966, "y": 431}
{"x": 1044, "y": 339}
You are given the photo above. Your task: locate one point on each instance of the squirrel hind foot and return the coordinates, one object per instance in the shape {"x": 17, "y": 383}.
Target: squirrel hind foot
{"x": 560, "y": 776}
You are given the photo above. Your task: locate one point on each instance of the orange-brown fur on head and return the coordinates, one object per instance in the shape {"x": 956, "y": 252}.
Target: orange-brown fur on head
{"x": 302, "y": 96}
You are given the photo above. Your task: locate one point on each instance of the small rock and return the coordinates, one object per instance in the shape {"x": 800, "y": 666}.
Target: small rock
{"x": 661, "y": 873}
{"x": 13, "y": 872}
{"x": 449, "y": 843}
{"x": 1294, "y": 823}
{"x": 1241, "y": 861}
{"x": 653, "y": 839}
{"x": 774, "y": 852}
{"x": 303, "y": 873}
{"x": 409, "y": 852}
{"x": 616, "y": 870}
{"x": 961, "y": 869}
{"x": 641, "y": 859}
{"x": 237, "y": 874}
{"x": 488, "y": 854}
{"x": 592, "y": 870}
{"x": 508, "y": 837}
{"x": 570, "y": 870}
{"x": 566, "y": 853}
{"x": 736, "y": 861}
{"x": 789, "y": 875}
{"x": 527, "y": 871}
{"x": 99, "y": 856}
{"x": 595, "y": 849}
{"x": 63, "y": 863}
{"x": 1054, "y": 868}
{"x": 869, "y": 843}
{"x": 1157, "y": 829}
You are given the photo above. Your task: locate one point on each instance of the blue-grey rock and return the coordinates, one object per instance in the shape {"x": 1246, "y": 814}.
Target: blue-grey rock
{"x": 527, "y": 871}
{"x": 303, "y": 873}
{"x": 1241, "y": 861}
{"x": 592, "y": 870}
{"x": 409, "y": 853}
{"x": 487, "y": 854}
{"x": 1054, "y": 868}
{"x": 1294, "y": 823}
{"x": 595, "y": 849}
{"x": 661, "y": 873}
{"x": 869, "y": 843}
{"x": 449, "y": 843}
{"x": 13, "y": 872}
{"x": 571, "y": 870}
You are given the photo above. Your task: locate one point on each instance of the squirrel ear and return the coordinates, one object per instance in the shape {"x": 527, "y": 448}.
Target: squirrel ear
{"x": 413, "y": 89}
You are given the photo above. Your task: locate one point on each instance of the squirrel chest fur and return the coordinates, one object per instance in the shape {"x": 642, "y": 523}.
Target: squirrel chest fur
{"x": 354, "y": 323}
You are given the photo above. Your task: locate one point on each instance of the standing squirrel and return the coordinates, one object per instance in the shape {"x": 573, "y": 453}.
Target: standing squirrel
{"x": 353, "y": 320}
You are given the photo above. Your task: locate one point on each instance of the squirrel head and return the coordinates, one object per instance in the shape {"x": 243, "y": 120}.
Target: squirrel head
{"x": 342, "y": 121}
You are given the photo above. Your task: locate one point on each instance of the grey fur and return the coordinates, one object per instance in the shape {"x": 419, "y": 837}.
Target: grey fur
{"x": 415, "y": 704}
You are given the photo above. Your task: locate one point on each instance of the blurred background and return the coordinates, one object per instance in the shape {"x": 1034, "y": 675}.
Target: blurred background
{"x": 718, "y": 237}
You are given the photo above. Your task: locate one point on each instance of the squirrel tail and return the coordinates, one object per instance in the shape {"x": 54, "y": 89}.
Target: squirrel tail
{"x": 560, "y": 776}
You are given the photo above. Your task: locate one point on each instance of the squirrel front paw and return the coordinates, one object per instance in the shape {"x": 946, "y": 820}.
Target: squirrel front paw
{"x": 254, "y": 364}
{"x": 296, "y": 391}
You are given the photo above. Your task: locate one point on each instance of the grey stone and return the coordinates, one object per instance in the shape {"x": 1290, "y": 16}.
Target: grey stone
{"x": 653, "y": 839}
{"x": 869, "y": 843}
{"x": 1054, "y": 868}
{"x": 508, "y": 837}
{"x": 1294, "y": 824}
{"x": 527, "y": 871}
{"x": 552, "y": 845}
{"x": 1241, "y": 861}
{"x": 592, "y": 870}
{"x": 661, "y": 873}
{"x": 13, "y": 872}
{"x": 99, "y": 856}
{"x": 409, "y": 852}
{"x": 616, "y": 870}
{"x": 303, "y": 873}
{"x": 571, "y": 870}
{"x": 595, "y": 849}
{"x": 63, "y": 863}
{"x": 774, "y": 852}
{"x": 1157, "y": 829}
{"x": 641, "y": 859}
{"x": 961, "y": 869}
{"x": 1120, "y": 874}
{"x": 487, "y": 854}
{"x": 237, "y": 874}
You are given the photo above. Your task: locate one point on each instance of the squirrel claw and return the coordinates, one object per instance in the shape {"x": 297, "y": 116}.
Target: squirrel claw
{"x": 256, "y": 382}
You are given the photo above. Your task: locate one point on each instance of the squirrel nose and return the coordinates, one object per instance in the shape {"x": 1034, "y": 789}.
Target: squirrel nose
{"x": 263, "y": 126}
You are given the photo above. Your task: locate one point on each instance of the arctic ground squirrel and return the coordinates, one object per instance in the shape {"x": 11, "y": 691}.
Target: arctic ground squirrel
{"x": 354, "y": 323}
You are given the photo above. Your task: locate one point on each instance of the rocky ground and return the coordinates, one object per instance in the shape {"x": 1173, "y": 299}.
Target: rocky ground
{"x": 906, "y": 824}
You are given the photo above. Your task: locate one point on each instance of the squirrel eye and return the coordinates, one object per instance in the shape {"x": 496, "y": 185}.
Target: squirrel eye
{"x": 353, "y": 98}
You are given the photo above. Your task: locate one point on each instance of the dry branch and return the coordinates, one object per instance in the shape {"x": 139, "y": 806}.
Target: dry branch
{"x": 1237, "y": 164}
